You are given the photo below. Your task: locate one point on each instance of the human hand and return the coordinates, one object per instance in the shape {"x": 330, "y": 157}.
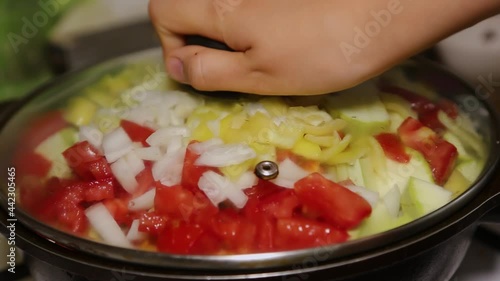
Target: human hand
{"x": 296, "y": 47}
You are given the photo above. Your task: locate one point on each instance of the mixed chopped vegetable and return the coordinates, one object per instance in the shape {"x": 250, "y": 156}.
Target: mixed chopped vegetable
{"x": 172, "y": 171}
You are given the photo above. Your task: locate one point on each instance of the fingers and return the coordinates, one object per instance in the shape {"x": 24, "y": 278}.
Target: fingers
{"x": 186, "y": 17}
{"x": 209, "y": 70}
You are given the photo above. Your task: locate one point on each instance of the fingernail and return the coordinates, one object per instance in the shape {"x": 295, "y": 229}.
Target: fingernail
{"x": 176, "y": 69}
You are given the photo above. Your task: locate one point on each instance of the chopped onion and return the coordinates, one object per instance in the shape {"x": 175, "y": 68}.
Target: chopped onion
{"x": 116, "y": 144}
{"x": 135, "y": 163}
{"x": 143, "y": 202}
{"x": 141, "y": 115}
{"x": 163, "y": 135}
{"x": 168, "y": 170}
{"x": 152, "y": 153}
{"x": 134, "y": 235}
{"x": 236, "y": 196}
{"x": 218, "y": 188}
{"x": 213, "y": 185}
{"x": 253, "y": 107}
{"x": 105, "y": 225}
{"x": 91, "y": 134}
{"x": 226, "y": 155}
{"x": 201, "y": 147}
{"x": 174, "y": 145}
{"x": 392, "y": 200}
{"x": 123, "y": 173}
{"x": 246, "y": 180}
{"x": 289, "y": 173}
{"x": 370, "y": 196}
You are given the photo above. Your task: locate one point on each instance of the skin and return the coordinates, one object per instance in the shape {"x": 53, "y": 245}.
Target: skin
{"x": 299, "y": 47}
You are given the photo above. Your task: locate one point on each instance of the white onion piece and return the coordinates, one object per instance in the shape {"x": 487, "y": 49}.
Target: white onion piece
{"x": 246, "y": 180}
{"x": 123, "y": 173}
{"x": 135, "y": 163}
{"x": 174, "y": 145}
{"x": 141, "y": 116}
{"x": 283, "y": 182}
{"x": 168, "y": 170}
{"x": 253, "y": 107}
{"x": 226, "y": 155}
{"x": 134, "y": 235}
{"x": 144, "y": 202}
{"x": 163, "y": 135}
{"x": 152, "y": 153}
{"x": 289, "y": 173}
{"x": 218, "y": 188}
{"x": 105, "y": 225}
{"x": 236, "y": 196}
{"x": 371, "y": 197}
{"x": 201, "y": 147}
{"x": 392, "y": 201}
{"x": 214, "y": 127}
{"x": 91, "y": 134}
{"x": 116, "y": 144}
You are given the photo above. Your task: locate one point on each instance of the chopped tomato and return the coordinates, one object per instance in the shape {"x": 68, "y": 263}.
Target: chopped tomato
{"x": 294, "y": 233}
{"x": 28, "y": 162}
{"x": 179, "y": 239}
{"x": 136, "y": 132}
{"x": 152, "y": 223}
{"x": 281, "y": 204}
{"x": 98, "y": 190}
{"x": 426, "y": 109}
{"x": 145, "y": 180}
{"x": 440, "y": 154}
{"x": 41, "y": 128}
{"x": 333, "y": 202}
{"x": 174, "y": 202}
{"x": 393, "y": 147}
{"x": 261, "y": 189}
{"x": 87, "y": 162}
{"x": 237, "y": 232}
{"x": 119, "y": 210}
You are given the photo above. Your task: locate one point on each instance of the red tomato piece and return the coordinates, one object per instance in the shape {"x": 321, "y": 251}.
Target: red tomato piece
{"x": 333, "y": 202}
{"x": 440, "y": 154}
{"x": 62, "y": 207}
{"x": 99, "y": 169}
{"x": 174, "y": 202}
{"x": 136, "y": 132}
{"x": 28, "y": 162}
{"x": 152, "y": 223}
{"x": 179, "y": 239}
{"x": 426, "y": 109}
{"x": 145, "y": 180}
{"x": 281, "y": 204}
{"x": 41, "y": 128}
{"x": 98, "y": 190}
{"x": 393, "y": 147}
{"x": 236, "y": 232}
{"x": 118, "y": 207}
{"x": 207, "y": 243}
{"x": 261, "y": 189}
{"x": 86, "y": 161}
{"x": 296, "y": 233}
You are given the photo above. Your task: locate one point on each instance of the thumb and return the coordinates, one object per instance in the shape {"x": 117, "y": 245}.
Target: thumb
{"x": 210, "y": 69}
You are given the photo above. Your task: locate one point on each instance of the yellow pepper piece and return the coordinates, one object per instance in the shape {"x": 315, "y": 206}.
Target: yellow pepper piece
{"x": 80, "y": 111}
{"x": 307, "y": 149}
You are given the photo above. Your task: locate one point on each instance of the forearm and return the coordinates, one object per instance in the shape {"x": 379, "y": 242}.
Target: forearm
{"x": 412, "y": 27}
